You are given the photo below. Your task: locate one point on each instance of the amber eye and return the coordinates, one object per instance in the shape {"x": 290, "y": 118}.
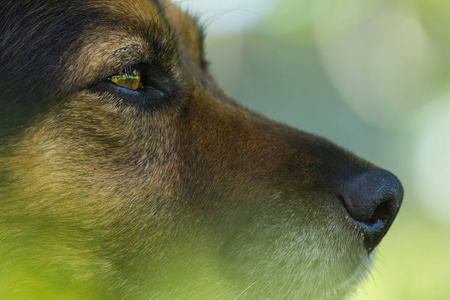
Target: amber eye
{"x": 129, "y": 78}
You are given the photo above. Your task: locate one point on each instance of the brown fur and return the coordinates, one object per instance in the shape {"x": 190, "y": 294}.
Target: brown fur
{"x": 192, "y": 196}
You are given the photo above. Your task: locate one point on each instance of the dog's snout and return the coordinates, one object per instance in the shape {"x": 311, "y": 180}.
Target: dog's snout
{"x": 373, "y": 199}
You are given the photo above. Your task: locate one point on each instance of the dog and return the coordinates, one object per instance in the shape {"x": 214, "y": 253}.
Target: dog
{"x": 126, "y": 172}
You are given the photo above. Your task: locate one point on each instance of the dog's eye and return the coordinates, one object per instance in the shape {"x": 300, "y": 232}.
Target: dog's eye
{"x": 130, "y": 78}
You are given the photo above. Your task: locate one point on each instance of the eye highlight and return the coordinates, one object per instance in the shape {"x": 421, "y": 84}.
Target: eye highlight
{"x": 130, "y": 78}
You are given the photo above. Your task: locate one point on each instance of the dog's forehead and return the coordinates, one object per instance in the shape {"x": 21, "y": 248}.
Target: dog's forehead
{"x": 129, "y": 11}
{"x": 150, "y": 19}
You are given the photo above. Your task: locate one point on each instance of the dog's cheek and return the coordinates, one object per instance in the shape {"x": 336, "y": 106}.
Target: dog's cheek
{"x": 101, "y": 149}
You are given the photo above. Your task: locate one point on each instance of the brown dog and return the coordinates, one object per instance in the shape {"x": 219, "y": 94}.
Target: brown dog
{"x": 126, "y": 173}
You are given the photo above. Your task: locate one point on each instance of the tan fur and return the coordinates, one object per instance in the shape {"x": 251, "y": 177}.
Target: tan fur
{"x": 190, "y": 197}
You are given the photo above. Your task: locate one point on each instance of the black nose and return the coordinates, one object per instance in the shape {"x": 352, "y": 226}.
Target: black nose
{"x": 373, "y": 199}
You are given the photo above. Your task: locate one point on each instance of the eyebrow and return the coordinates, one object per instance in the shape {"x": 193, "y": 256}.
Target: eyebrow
{"x": 128, "y": 55}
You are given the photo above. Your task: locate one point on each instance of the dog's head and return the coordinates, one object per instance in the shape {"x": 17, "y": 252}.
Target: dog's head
{"x": 127, "y": 172}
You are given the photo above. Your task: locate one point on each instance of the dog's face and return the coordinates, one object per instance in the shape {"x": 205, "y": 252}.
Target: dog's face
{"x": 127, "y": 173}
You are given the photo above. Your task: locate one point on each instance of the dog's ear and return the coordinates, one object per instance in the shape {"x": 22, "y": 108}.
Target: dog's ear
{"x": 189, "y": 32}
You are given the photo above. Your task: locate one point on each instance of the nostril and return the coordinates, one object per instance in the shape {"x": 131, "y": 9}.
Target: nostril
{"x": 382, "y": 214}
{"x": 373, "y": 199}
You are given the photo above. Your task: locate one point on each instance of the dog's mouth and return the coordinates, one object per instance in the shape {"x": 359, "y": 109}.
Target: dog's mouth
{"x": 317, "y": 248}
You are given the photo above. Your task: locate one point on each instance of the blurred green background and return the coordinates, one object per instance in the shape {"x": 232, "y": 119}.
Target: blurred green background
{"x": 371, "y": 75}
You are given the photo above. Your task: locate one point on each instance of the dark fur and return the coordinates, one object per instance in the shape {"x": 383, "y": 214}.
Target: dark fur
{"x": 110, "y": 194}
